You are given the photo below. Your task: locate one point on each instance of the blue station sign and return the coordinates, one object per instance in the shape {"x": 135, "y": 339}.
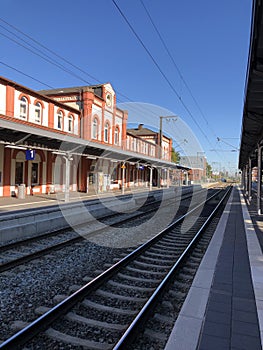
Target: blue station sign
{"x": 30, "y": 154}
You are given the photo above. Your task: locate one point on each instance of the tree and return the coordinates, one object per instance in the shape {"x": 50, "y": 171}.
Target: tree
{"x": 175, "y": 156}
{"x": 208, "y": 170}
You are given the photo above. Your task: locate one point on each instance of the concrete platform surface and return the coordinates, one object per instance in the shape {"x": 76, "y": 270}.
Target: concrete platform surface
{"x": 224, "y": 307}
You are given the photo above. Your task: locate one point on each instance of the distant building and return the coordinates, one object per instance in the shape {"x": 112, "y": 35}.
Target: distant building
{"x": 151, "y": 137}
{"x": 197, "y": 164}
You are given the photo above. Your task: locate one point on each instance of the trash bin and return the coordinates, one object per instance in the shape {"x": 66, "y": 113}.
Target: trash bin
{"x": 21, "y": 191}
{"x": 51, "y": 189}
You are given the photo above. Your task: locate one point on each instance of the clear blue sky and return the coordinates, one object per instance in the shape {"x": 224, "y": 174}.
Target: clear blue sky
{"x": 208, "y": 40}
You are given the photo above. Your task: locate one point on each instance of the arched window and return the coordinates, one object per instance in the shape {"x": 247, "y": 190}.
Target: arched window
{"x": 95, "y": 128}
{"x": 106, "y": 132}
{"x": 70, "y": 123}
{"x": 60, "y": 119}
{"x": 116, "y": 136}
{"x": 38, "y": 112}
{"x": 23, "y": 107}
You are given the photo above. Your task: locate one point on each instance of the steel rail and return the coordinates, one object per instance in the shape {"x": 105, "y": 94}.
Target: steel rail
{"x": 45, "y": 235}
{"x": 26, "y": 258}
{"x": 141, "y": 317}
{"x": 41, "y": 323}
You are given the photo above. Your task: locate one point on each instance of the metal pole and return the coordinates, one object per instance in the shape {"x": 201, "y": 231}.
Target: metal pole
{"x": 246, "y": 179}
{"x": 249, "y": 179}
{"x": 160, "y": 151}
{"x": 161, "y": 137}
{"x": 243, "y": 179}
{"x": 259, "y": 189}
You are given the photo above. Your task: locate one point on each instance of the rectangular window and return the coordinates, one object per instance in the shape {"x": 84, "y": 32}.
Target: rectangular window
{"x": 34, "y": 176}
{"x": 37, "y": 115}
{"x": 70, "y": 125}
{"x": 23, "y": 111}
{"x": 59, "y": 122}
{"x": 19, "y": 173}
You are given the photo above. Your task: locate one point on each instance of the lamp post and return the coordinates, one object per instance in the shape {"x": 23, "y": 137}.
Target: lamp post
{"x": 218, "y": 169}
{"x": 160, "y": 153}
{"x": 201, "y": 157}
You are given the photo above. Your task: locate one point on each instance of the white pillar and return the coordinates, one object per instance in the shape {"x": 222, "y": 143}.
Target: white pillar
{"x": 67, "y": 176}
{"x": 123, "y": 178}
{"x": 151, "y": 178}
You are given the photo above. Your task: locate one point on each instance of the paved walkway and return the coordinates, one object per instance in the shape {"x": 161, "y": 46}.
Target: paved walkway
{"x": 224, "y": 308}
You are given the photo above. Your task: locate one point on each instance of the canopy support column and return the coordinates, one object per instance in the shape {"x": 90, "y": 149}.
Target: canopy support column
{"x": 249, "y": 179}
{"x": 67, "y": 158}
{"x": 259, "y": 184}
{"x": 151, "y": 178}
{"x": 123, "y": 177}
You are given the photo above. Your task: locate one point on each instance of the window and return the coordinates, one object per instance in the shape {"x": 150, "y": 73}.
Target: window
{"x": 133, "y": 145}
{"x": 38, "y": 113}
{"x": 60, "y": 116}
{"x": 95, "y": 128}
{"x": 145, "y": 151}
{"x": 116, "y": 136}
{"x": 23, "y": 108}
{"x": 19, "y": 173}
{"x": 152, "y": 152}
{"x": 70, "y": 123}
{"x": 34, "y": 175}
{"x": 106, "y": 132}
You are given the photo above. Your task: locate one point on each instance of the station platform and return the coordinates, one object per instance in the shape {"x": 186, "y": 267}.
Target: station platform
{"x": 224, "y": 307}
{"x": 8, "y": 204}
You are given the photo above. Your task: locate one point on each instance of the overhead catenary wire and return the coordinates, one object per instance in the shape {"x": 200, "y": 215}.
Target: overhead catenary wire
{"x": 60, "y": 66}
{"x": 159, "y": 69}
{"x": 176, "y": 66}
{"x": 27, "y": 75}
{"x": 50, "y": 60}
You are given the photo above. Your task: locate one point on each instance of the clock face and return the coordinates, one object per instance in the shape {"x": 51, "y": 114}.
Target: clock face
{"x": 108, "y": 100}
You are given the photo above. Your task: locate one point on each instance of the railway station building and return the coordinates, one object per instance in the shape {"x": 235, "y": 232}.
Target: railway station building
{"x": 75, "y": 139}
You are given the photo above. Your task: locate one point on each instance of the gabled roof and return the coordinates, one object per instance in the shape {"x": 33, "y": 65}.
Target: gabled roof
{"x": 141, "y": 131}
{"x": 97, "y": 89}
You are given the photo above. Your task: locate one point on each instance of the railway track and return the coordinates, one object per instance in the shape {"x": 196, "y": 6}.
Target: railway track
{"x": 110, "y": 311}
{"x": 21, "y": 252}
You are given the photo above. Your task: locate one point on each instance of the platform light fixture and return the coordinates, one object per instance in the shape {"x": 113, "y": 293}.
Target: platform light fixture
{"x": 91, "y": 157}
{"x": 16, "y": 147}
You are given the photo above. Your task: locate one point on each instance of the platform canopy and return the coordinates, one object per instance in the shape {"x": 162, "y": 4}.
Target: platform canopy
{"x": 20, "y": 135}
{"x": 252, "y": 124}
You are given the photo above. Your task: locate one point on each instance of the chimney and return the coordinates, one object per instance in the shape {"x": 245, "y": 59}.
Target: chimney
{"x": 140, "y": 126}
